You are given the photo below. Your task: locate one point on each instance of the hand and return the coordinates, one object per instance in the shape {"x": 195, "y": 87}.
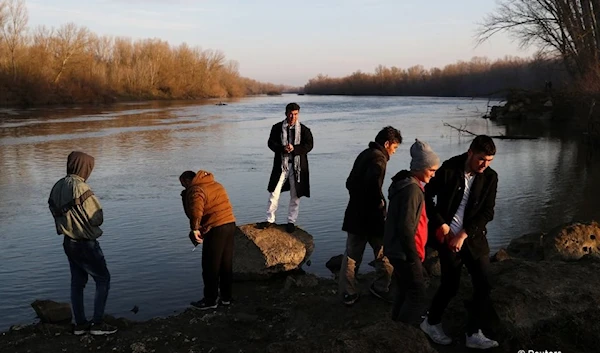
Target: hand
{"x": 196, "y": 237}
{"x": 442, "y": 233}
{"x": 456, "y": 242}
{"x": 289, "y": 148}
{"x": 382, "y": 204}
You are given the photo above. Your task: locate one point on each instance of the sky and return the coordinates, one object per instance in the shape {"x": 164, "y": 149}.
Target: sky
{"x": 289, "y": 42}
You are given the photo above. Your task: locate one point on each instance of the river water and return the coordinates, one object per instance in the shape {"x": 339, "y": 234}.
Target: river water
{"x": 141, "y": 149}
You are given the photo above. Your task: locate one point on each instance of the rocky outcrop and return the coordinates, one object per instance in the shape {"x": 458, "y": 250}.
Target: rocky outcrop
{"x": 262, "y": 253}
{"x": 572, "y": 242}
{"x": 568, "y": 242}
{"x": 52, "y": 312}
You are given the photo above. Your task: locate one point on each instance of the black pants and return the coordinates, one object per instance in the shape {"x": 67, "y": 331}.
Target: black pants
{"x": 410, "y": 291}
{"x": 217, "y": 262}
{"x": 479, "y": 309}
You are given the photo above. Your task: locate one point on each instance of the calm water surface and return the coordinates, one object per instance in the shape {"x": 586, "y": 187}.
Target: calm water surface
{"x": 141, "y": 149}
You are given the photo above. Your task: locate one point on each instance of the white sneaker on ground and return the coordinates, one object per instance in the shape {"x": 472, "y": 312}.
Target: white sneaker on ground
{"x": 479, "y": 341}
{"x": 435, "y": 332}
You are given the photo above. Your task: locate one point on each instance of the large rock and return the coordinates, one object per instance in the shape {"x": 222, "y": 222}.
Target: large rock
{"x": 52, "y": 312}
{"x": 528, "y": 246}
{"x": 334, "y": 264}
{"x": 572, "y": 241}
{"x": 261, "y": 253}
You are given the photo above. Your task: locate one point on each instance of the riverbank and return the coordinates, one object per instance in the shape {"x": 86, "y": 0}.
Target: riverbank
{"x": 541, "y": 305}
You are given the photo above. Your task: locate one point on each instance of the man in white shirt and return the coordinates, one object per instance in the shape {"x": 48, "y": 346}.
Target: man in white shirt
{"x": 465, "y": 191}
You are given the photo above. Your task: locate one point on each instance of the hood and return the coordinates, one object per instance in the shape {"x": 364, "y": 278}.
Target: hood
{"x": 399, "y": 181}
{"x": 80, "y": 164}
{"x": 203, "y": 177}
{"x": 375, "y": 145}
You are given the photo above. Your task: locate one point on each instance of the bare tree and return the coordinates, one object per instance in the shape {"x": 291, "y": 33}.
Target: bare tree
{"x": 13, "y": 29}
{"x": 68, "y": 41}
{"x": 570, "y": 28}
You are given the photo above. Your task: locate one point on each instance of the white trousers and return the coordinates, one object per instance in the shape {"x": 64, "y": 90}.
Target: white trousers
{"x": 274, "y": 197}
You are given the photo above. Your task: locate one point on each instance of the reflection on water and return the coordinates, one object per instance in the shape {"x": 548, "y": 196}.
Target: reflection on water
{"x": 141, "y": 149}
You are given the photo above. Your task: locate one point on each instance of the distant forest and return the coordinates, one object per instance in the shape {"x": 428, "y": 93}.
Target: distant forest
{"x": 479, "y": 77}
{"x": 70, "y": 64}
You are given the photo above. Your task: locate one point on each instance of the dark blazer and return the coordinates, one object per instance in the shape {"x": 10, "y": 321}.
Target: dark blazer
{"x": 365, "y": 214}
{"x": 448, "y": 187}
{"x": 305, "y": 146}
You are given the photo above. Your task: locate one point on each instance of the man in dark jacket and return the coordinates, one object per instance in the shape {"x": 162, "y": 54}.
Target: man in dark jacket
{"x": 78, "y": 216}
{"x": 465, "y": 188}
{"x": 365, "y": 216}
{"x": 291, "y": 142}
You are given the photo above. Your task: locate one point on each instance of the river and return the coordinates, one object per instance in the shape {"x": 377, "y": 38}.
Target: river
{"x": 141, "y": 149}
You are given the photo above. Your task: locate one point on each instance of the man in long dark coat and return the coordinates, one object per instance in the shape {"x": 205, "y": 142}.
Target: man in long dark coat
{"x": 290, "y": 141}
{"x": 364, "y": 219}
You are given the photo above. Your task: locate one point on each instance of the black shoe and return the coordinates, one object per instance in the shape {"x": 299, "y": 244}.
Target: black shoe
{"x": 264, "y": 225}
{"x": 81, "y": 329}
{"x": 102, "y": 329}
{"x": 203, "y": 304}
{"x": 290, "y": 227}
{"x": 381, "y": 295}
{"x": 350, "y": 299}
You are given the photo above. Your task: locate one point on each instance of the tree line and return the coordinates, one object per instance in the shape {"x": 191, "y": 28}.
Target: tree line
{"x": 71, "y": 64}
{"x": 566, "y": 34}
{"x": 477, "y": 77}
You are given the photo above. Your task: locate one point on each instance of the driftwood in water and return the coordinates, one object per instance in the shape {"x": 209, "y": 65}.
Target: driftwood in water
{"x": 500, "y": 137}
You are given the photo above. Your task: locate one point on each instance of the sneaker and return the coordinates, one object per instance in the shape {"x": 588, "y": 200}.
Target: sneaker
{"x": 102, "y": 329}
{"x": 479, "y": 341}
{"x": 350, "y": 299}
{"x": 290, "y": 227}
{"x": 385, "y": 296}
{"x": 264, "y": 225}
{"x": 225, "y": 302}
{"x": 203, "y": 304}
{"x": 81, "y": 329}
{"x": 435, "y": 332}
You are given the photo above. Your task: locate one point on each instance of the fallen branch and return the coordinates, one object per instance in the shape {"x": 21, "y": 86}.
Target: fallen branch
{"x": 459, "y": 129}
{"x": 499, "y": 137}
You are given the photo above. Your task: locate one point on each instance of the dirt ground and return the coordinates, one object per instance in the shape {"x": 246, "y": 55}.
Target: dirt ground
{"x": 302, "y": 313}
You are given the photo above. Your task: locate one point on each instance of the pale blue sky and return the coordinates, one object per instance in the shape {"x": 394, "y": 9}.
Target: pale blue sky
{"x": 289, "y": 42}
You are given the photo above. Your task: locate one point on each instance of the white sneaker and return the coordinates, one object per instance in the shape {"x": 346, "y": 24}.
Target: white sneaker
{"x": 435, "y": 332}
{"x": 479, "y": 341}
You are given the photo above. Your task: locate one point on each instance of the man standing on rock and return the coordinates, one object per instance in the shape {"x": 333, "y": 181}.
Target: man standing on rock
{"x": 364, "y": 219}
{"x": 291, "y": 142}
{"x": 78, "y": 215}
{"x": 212, "y": 224}
{"x": 465, "y": 191}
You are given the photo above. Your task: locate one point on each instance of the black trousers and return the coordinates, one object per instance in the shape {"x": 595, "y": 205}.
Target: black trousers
{"x": 217, "y": 262}
{"x": 410, "y": 291}
{"x": 480, "y": 309}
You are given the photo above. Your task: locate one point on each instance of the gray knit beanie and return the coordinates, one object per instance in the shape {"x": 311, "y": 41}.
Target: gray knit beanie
{"x": 423, "y": 156}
